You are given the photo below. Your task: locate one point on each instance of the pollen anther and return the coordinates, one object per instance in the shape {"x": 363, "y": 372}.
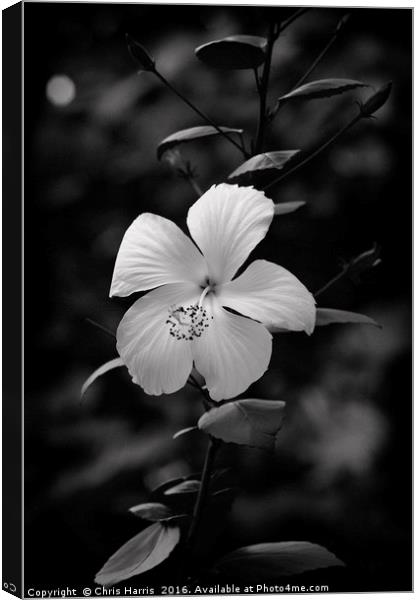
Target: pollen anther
{"x": 188, "y": 322}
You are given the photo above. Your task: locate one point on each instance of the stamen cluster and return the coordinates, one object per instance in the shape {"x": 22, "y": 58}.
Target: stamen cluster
{"x": 187, "y": 323}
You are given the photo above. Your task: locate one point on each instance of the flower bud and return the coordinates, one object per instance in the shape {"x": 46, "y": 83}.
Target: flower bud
{"x": 376, "y": 101}
{"x": 140, "y": 54}
{"x": 363, "y": 262}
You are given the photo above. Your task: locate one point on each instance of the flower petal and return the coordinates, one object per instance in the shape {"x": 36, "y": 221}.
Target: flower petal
{"x": 227, "y": 222}
{"x": 232, "y": 353}
{"x": 270, "y": 294}
{"x": 156, "y": 360}
{"x": 153, "y": 252}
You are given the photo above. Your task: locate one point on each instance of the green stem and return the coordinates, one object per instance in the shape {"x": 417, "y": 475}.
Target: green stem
{"x": 199, "y": 112}
{"x": 316, "y": 152}
{"x": 263, "y": 86}
{"x": 203, "y": 491}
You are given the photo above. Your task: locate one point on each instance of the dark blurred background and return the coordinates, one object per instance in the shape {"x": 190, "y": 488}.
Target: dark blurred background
{"x": 342, "y": 472}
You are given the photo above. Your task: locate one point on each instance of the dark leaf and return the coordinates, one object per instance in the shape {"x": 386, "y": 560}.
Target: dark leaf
{"x": 271, "y": 561}
{"x": 329, "y": 316}
{"x": 140, "y": 54}
{"x": 143, "y": 552}
{"x": 248, "y": 422}
{"x": 283, "y": 208}
{"x": 377, "y": 100}
{"x": 158, "y": 492}
{"x": 188, "y": 135}
{"x": 108, "y": 366}
{"x": 223, "y": 498}
{"x": 183, "y": 431}
{"x": 152, "y": 511}
{"x": 185, "y": 487}
{"x": 233, "y": 52}
{"x": 264, "y": 162}
{"x": 323, "y": 88}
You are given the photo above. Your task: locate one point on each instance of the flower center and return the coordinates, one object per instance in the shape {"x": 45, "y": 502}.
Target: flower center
{"x": 188, "y": 322}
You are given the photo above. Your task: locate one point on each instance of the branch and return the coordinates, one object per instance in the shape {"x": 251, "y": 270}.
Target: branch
{"x": 292, "y": 18}
{"x": 203, "y": 490}
{"x": 316, "y": 152}
{"x": 199, "y": 112}
{"x": 314, "y": 64}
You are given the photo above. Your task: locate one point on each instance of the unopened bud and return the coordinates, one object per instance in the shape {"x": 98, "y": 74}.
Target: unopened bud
{"x": 140, "y": 54}
{"x": 363, "y": 262}
{"x": 376, "y": 101}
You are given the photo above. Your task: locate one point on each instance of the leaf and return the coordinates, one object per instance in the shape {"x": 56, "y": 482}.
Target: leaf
{"x": 152, "y": 511}
{"x": 377, "y": 100}
{"x": 323, "y": 88}
{"x": 143, "y": 552}
{"x": 248, "y": 422}
{"x": 108, "y": 366}
{"x": 271, "y": 561}
{"x": 190, "y": 134}
{"x": 284, "y": 208}
{"x": 233, "y": 52}
{"x": 329, "y": 316}
{"x": 224, "y": 498}
{"x": 185, "y": 487}
{"x": 140, "y": 54}
{"x": 184, "y": 431}
{"x": 264, "y": 162}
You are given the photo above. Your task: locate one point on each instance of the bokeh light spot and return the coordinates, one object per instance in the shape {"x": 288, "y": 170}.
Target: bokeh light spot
{"x": 60, "y": 90}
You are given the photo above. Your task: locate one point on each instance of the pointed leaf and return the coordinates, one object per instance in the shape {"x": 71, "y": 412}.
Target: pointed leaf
{"x": 329, "y": 316}
{"x": 190, "y": 134}
{"x": 287, "y": 207}
{"x": 140, "y": 54}
{"x": 183, "y": 431}
{"x": 108, "y": 366}
{"x": 266, "y": 161}
{"x": 143, "y": 552}
{"x": 271, "y": 561}
{"x": 185, "y": 487}
{"x": 248, "y": 422}
{"x": 323, "y": 88}
{"x": 377, "y": 100}
{"x": 233, "y": 52}
{"x": 152, "y": 511}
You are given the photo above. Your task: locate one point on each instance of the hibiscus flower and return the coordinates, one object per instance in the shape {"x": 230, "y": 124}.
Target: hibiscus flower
{"x": 185, "y": 321}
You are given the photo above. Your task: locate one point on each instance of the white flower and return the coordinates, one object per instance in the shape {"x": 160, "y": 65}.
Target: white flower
{"x": 184, "y": 320}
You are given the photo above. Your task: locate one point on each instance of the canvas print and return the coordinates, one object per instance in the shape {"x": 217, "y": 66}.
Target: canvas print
{"x": 217, "y": 339}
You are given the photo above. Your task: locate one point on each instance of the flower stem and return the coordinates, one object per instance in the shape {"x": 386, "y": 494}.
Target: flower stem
{"x": 316, "y": 152}
{"x": 331, "y": 282}
{"x": 203, "y": 491}
{"x": 263, "y": 86}
{"x": 199, "y": 112}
